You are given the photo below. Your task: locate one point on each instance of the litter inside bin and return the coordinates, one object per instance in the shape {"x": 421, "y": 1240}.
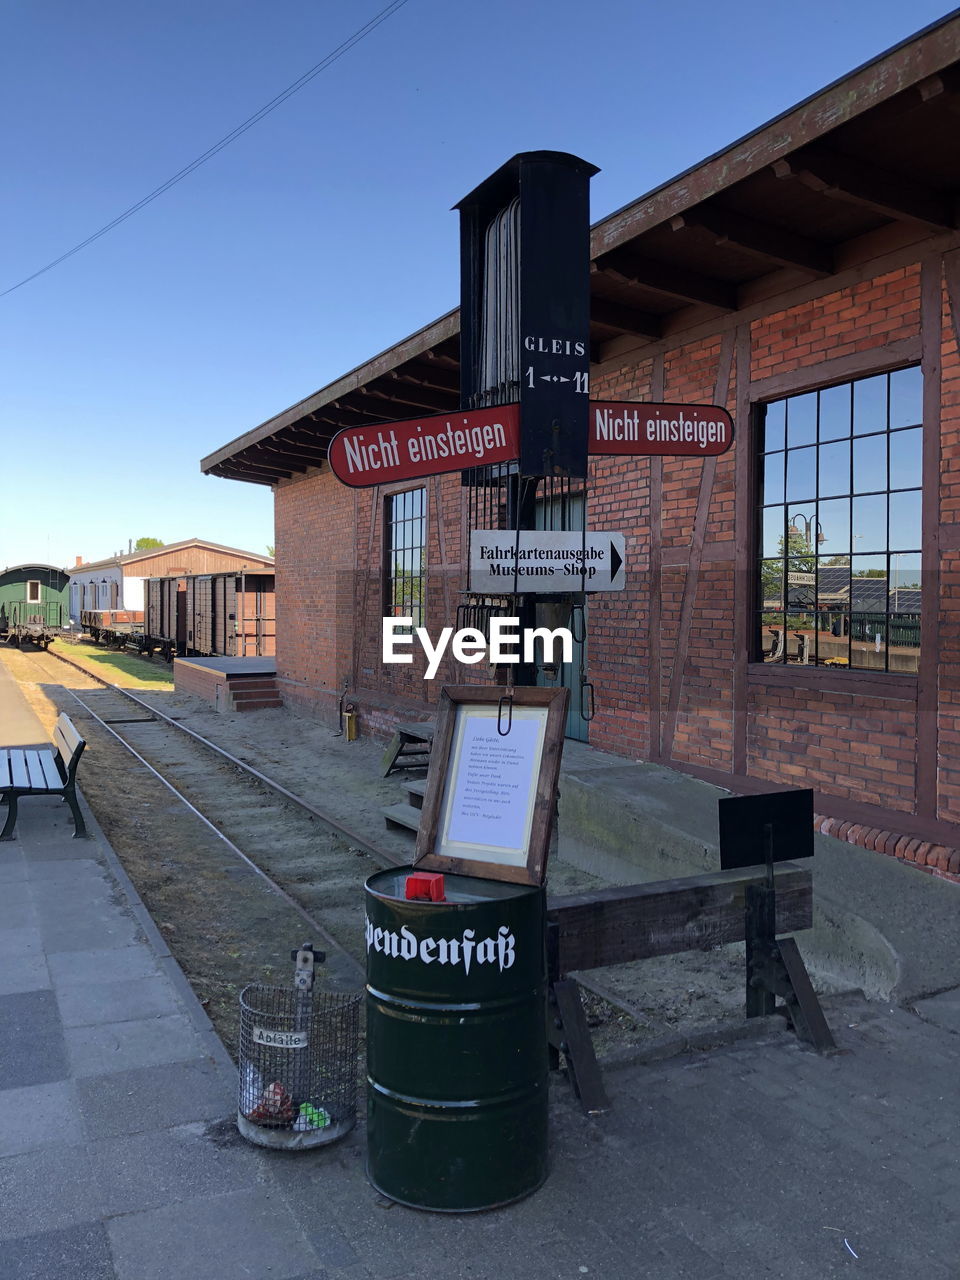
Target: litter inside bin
{"x": 298, "y": 1061}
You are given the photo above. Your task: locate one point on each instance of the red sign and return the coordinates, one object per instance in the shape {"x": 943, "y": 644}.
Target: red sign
{"x": 363, "y": 456}
{"x": 674, "y": 430}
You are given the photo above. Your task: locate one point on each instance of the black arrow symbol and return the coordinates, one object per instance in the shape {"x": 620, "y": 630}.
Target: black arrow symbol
{"x": 616, "y": 560}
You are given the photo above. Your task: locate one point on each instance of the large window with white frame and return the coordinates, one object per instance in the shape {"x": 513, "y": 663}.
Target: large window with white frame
{"x": 840, "y": 532}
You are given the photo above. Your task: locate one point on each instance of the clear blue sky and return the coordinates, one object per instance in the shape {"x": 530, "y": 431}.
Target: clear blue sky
{"x": 324, "y": 234}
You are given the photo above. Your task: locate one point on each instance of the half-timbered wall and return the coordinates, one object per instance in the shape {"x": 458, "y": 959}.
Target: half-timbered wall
{"x": 670, "y": 656}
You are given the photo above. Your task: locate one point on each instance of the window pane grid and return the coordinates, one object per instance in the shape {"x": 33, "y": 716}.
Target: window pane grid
{"x": 405, "y": 535}
{"x": 840, "y": 539}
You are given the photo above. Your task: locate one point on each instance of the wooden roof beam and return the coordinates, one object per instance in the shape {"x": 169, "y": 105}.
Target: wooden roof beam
{"x": 626, "y": 319}
{"x": 440, "y": 358}
{"x": 290, "y": 451}
{"x": 435, "y": 379}
{"x": 667, "y": 278}
{"x": 238, "y": 469}
{"x": 314, "y": 442}
{"x": 863, "y": 183}
{"x": 351, "y": 415}
{"x": 775, "y": 244}
{"x": 431, "y": 401}
{"x": 946, "y": 85}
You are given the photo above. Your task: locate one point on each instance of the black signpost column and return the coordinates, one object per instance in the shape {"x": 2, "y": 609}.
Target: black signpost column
{"x": 525, "y": 322}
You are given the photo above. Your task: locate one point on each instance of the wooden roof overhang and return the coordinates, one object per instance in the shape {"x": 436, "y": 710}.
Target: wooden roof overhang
{"x": 870, "y": 163}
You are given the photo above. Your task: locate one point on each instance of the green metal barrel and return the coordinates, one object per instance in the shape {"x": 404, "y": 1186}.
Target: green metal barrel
{"x": 456, "y": 1043}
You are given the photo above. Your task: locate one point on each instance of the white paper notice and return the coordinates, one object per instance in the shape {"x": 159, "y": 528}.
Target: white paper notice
{"x": 495, "y": 777}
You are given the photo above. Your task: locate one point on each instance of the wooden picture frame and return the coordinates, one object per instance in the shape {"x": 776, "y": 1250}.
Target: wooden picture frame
{"x": 491, "y": 792}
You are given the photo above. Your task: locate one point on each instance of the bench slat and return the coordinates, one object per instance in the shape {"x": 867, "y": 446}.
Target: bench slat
{"x": 67, "y": 740}
{"x": 19, "y": 772}
{"x": 49, "y": 773}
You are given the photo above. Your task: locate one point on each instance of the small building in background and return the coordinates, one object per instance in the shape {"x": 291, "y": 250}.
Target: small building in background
{"x": 117, "y": 582}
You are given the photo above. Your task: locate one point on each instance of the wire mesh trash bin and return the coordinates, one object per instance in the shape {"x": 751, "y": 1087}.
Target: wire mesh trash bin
{"x": 298, "y": 1066}
{"x": 456, "y": 1043}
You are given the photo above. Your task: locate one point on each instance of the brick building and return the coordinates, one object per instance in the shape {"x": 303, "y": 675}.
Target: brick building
{"x": 792, "y": 608}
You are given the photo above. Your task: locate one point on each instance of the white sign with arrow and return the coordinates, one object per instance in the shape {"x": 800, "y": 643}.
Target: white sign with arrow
{"x": 546, "y": 561}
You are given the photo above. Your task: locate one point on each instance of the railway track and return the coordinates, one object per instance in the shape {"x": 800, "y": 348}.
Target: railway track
{"x": 296, "y": 852}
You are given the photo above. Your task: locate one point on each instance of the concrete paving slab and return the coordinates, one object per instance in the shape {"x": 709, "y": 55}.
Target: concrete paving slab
{"x": 67, "y": 874}
{"x": 148, "y": 1099}
{"x": 256, "y": 1237}
{"x": 46, "y": 1190}
{"x": 31, "y": 1034}
{"x": 20, "y": 940}
{"x": 16, "y": 905}
{"x": 43, "y": 1115}
{"x": 119, "y": 1046}
{"x": 23, "y": 973}
{"x": 148, "y": 1170}
{"x": 75, "y": 1253}
{"x": 98, "y": 929}
{"x": 116, "y": 964}
{"x": 101, "y": 1002}
{"x": 13, "y": 868}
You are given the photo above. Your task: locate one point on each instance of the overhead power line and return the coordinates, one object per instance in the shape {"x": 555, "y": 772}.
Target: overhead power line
{"x": 225, "y": 141}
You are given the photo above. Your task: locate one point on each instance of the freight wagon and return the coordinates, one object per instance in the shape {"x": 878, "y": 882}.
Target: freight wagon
{"x": 211, "y": 615}
{"x": 121, "y": 628}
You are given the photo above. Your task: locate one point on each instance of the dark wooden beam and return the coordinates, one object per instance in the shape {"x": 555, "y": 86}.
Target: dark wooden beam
{"x": 945, "y": 86}
{"x": 289, "y": 453}
{"x": 351, "y": 415}
{"x": 318, "y": 439}
{"x": 667, "y": 278}
{"x": 338, "y": 419}
{"x": 434, "y": 378}
{"x": 417, "y": 398}
{"x": 861, "y": 182}
{"x": 785, "y": 248}
{"x": 239, "y": 469}
{"x": 692, "y": 913}
{"x": 626, "y": 319}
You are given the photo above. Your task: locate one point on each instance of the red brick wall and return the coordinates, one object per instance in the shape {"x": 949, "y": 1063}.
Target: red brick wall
{"x": 666, "y": 656}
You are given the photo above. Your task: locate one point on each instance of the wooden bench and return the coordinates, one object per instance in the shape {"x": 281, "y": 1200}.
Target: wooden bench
{"x": 635, "y": 922}
{"x": 31, "y": 771}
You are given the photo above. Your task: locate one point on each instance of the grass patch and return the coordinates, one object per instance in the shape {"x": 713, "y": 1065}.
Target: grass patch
{"x": 124, "y": 669}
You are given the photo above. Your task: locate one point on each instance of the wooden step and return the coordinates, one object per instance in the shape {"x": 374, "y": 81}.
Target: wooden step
{"x": 402, "y": 816}
{"x": 416, "y": 789}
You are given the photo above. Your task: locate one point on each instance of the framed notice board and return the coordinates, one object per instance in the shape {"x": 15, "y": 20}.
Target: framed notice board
{"x": 492, "y": 783}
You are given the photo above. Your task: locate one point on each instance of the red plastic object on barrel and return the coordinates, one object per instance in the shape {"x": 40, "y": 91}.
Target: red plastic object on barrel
{"x": 425, "y": 886}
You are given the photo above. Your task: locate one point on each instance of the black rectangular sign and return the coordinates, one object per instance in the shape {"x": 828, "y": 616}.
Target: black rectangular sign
{"x": 744, "y": 821}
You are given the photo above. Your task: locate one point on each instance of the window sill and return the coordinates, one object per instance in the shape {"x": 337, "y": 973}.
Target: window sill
{"x": 882, "y": 684}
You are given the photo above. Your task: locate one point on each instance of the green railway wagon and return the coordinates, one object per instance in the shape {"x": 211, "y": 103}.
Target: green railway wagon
{"x": 34, "y": 603}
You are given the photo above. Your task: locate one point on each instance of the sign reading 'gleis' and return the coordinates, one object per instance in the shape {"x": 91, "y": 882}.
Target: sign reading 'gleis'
{"x": 363, "y": 456}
